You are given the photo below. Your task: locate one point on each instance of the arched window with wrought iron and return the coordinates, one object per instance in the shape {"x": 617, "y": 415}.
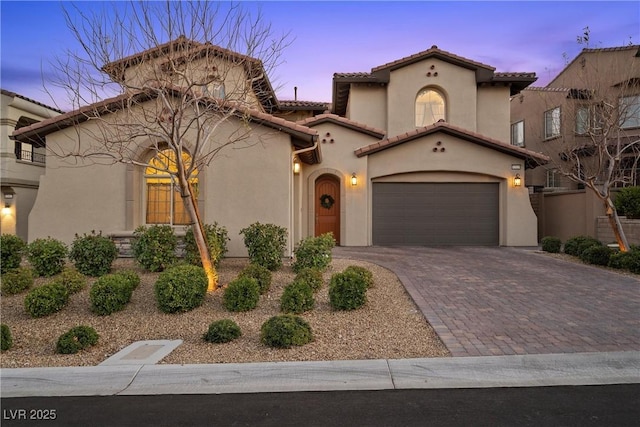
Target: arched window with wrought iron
{"x": 164, "y": 203}
{"x": 430, "y": 107}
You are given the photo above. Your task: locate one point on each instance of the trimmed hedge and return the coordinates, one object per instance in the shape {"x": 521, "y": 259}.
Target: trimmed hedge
{"x": 217, "y": 238}
{"x": 181, "y": 288}
{"x": 265, "y": 244}
{"x": 551, "y": 244}
{"x": 297, "y": 298}
{"x": 222, "y": 331}
{"x": 16, "y": 280}
{"x": 314, "y": 252}
{"x": 576, "y": 245}
{"x": 311, "y": 277}
{"x": 154, "y": 247}
{"x": 261, "y": 274}
{"x": 72, "y": 280}
{"x": 76, "y": 339}
{"x": 597, "y": 255}
{"x": 11, "y": 249}
{"x": 93, "y": 254}
{"x": 285, "y": 331}
{"x": 629, "y": 260}
{"x": 627, "y": 202}
{"x": 6, "y": 340}
{"x": 242, "y": 294}
{"x": 109, "y": 294}
{"x": 363, "y": 272}
{"x": 347, "y": 291}
{"x": 47, "y": 256}
{"x": 46, "y": 299}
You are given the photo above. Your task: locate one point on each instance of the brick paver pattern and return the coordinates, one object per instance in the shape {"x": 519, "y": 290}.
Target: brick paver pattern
{"x": 505, "y": 301}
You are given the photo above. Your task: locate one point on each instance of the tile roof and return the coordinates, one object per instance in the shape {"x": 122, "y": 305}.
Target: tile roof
{"x": 334, "y": 118}
{"x": 302, "y": 105}
{"x": 533, "y": 159}
{"x": 33, "y": 101}
{"x": 432, "y": 51}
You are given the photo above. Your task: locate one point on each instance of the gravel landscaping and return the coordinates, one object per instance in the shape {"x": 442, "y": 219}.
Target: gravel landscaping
{"x": 389, "y": 326}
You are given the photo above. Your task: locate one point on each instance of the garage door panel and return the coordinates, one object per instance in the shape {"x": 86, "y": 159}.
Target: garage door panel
{"x": 419, "y": 214}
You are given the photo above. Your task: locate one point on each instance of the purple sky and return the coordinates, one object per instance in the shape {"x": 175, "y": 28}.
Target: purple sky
{"x": 330, "y": 37}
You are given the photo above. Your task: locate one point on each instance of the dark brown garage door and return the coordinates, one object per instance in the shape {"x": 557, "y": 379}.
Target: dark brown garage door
{"x": 431, "y": 214}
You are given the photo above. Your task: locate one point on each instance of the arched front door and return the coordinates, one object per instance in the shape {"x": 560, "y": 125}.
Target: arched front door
{"x": 327, "y": 206}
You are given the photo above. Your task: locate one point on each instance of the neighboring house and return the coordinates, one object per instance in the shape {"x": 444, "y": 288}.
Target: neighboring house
{"x": 21, "y": 164}
{"x": 416, "y": 152}
{"x": 561, "y": 116}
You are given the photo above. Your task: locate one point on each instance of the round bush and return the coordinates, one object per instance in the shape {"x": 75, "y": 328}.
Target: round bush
{"x": 627, "y": 202}
{"x": 297, "y": 298}
{"x": 16, "y": 280}
{"x": 217, "y": 238}
{"x": 154, "y": 247}
{"x": 76, "y": 339}
{"x": 72, "y": 279}
{"x": 629, "y": 260}
{"x": 364, "y": 273}
{"x": 46, "y": 299}
{"x": 311, "y": 277}
{"x": 260, "y": 273}
{"x": 265, "y": 244}
{"x": 131, "y": 277}
{"x": 576, "y": 245}
{"x": 347, "y": 291}
{"x": 285, "y": 331}
{"x": 222, "y": 331}
{"x": 181, "y": 288}
{"x": 6, "y": 341}
{"x": 314, "y": 252}
{"x": 47, "y": 256}
{"x": 596, "y": 255}
{"x": 110, "y": 293}
{"x": 11, "y": 249}
{"x": 242, "y": 294}
{"x": 93, "y": 254}
{"x": 551, "y": 244}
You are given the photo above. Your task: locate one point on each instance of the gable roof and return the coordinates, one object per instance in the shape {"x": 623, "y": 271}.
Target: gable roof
{"x": 190, "y": 48}
{"x": 531, "y": 158}
{"x": 33, "y": 101}
{"x": 341, "y": 121}
{"x": 485, "y": 75}
{"x": 302, "y": 136}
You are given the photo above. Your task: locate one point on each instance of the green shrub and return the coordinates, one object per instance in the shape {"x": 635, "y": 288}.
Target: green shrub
{"x": 260, "y": 273}
{"x": 6, "y": 341}
{"x": 311, "y": 277}
{"x": 47, "y": 256}
{"x": 181, "y": 288}
{"x": 551, "y": 244}
{"x": 576, "y": 245}
{"x": 297, "y": 298}
{"x": 629, "y": 260}
{"x": 76, "y": 339}
{"x": 314, "y": 252}
{"x": 16, "y": 280}
{"x": 347, "y": 291}
{"x": 222, "y": 331}
{"x": 366, "y": 275}
{"x": 11, "y": 250}
{"x": 72, "y": 280}
{"x": 110, "y": 293}
{"x": 627, "y": 202}
{"x": 154, "y": 247}
{"x": 285, "y": 331}
{"x": 93, "y": 254}
{"x": 265, "y": 244}
{"x": 596, "y": 255}
{"x": 131, "y": 277}
{"x": 217, "y": 238}
{"x": 46, "y": 299}
{"x": 242, "y": 294}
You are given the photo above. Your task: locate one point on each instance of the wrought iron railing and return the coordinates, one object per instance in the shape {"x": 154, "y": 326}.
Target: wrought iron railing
{"x": 30, "y": 156}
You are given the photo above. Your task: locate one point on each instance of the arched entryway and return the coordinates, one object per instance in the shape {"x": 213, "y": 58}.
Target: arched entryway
{"x": 327, "y": 206}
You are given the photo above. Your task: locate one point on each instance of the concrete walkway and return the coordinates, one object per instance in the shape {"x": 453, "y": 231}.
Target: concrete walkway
{"x": 508, "y": 301}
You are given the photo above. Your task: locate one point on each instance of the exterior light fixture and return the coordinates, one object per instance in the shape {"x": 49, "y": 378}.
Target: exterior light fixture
{"x": 354, "y": 179}
{"x": 517, "y": 181}
{"x": 6, "y": 210}
{"x": 296, "y": 166}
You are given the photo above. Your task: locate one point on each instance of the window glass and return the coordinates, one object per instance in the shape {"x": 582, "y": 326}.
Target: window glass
{"x": 552, "y": 123}
{"x": 582, "y": 120}
{"x": 163, "y": 200}
{"x": 517, "y": 134}
{"x": 429, "y": 107}
{"x": 630, "y": 111}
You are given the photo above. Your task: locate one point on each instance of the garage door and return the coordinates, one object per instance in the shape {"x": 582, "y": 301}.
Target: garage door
{"x": 431, "y": 214}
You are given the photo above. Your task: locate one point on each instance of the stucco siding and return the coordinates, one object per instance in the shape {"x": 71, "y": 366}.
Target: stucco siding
{"x": 368, "y": 105}
{"x": 494, "y": 113}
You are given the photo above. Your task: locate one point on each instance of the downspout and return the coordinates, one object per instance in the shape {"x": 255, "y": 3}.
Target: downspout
{"x": 294, "y": 154}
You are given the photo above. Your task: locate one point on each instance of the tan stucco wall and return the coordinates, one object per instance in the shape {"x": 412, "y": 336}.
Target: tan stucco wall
{"x": 458, "y": 85}
{"x": 571, "y": 214}
{"x": 462, "y": 161}
{"x": 493, "y": 113}
{"x": 339, "y": 160}
{"x": 368, "y": 105}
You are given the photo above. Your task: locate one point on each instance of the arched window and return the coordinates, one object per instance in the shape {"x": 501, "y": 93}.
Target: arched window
{"x": 163, "y": 199}
{"x": 429, "y": 107}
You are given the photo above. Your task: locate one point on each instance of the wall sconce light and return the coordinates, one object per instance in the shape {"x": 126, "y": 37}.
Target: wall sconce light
{"x": 296, "y": 166}
{"x": 6, "y": 210}
{"x": 354, "y": 179}
{"x": 517, "y": 181}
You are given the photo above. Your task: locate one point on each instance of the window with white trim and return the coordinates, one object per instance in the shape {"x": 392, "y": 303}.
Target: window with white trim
{"x": 553, "y": 179}
{"x": 517, "y": 133}
{"x": 552, "y": 123}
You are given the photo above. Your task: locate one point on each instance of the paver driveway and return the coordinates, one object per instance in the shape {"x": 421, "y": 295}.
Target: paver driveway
{"x": 497, "y": 301}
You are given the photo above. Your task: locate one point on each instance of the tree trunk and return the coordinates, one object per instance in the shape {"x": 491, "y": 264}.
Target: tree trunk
{"x": 191, "y": 205}
{"x": 616, "y": 225}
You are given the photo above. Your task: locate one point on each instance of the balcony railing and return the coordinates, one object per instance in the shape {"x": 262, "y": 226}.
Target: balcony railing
{"x": 30, "y": 156}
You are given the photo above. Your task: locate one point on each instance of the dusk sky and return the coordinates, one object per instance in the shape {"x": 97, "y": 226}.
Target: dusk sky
{"x": 330, "y": 37}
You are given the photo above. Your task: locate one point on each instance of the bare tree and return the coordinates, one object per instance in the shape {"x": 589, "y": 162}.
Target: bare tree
{"x": 592, "y": 123}
{"x": 173, "y": 74}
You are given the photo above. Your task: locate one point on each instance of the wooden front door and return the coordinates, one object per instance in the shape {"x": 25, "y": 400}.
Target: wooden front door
{"x": 327, "y": 206}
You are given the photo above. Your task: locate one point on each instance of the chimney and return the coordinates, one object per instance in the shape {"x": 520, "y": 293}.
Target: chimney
{"x": 295, "y": 93}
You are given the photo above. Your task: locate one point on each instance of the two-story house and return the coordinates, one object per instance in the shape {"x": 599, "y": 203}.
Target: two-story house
{"x": 21, "y": 164}
{"x": 414, "y": 152}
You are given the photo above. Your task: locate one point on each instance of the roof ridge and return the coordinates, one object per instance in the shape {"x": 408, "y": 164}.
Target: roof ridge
{"x": 432, "y": 49}
{"x": 343, "y": 120}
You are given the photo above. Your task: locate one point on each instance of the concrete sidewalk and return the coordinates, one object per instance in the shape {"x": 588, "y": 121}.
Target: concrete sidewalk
{"x": 437, "y": 373}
